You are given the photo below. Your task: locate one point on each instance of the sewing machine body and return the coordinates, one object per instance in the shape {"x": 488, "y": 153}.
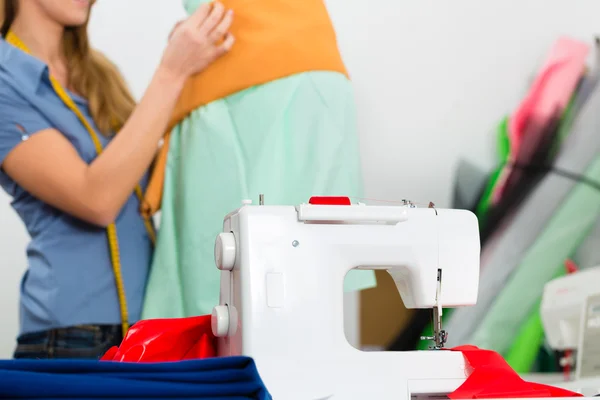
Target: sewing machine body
{"x": 563, "y": 314}
{"x": 281, "y": 301}
{"x": 561, "y": 308}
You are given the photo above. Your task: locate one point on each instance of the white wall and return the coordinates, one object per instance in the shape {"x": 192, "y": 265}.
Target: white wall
{"x": 432, "y": 79}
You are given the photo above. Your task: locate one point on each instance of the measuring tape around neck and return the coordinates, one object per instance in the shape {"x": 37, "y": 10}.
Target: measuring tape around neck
{"x": 111, "y": 230}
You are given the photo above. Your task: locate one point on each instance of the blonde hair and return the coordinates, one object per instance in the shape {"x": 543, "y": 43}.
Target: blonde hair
{"x": 91, "y": 74}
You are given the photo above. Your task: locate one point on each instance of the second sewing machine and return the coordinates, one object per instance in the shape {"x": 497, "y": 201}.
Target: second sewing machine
{"x": 281, "y": 303}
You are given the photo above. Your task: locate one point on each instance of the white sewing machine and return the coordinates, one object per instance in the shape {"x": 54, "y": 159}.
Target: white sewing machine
{"x": 281, "y": 299}
{"x": 561, "y": 307}
{"x": 564, "y": 313}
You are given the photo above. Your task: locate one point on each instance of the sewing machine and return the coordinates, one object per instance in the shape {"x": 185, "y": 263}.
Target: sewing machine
{"x": 282, "y": 272}
{"x": 561, "y": 307}
{"x": 565, "y": 314}
{"x": 281, "y": 303}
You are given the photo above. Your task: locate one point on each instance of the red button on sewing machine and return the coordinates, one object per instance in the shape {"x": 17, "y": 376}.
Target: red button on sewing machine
{"x": 330, "y": 200}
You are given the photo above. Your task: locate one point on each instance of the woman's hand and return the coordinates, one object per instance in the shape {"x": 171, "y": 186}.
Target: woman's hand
{"x": 198, "y": 41}
{"x": 96, "y": 192}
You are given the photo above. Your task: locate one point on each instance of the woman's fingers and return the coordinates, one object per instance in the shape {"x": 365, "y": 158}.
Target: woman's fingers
{"x": 199, "y": 16}
{"x": 199, "y": 41}
{"x": 219, "y": 32}
{"x": 177, "y": 25}
{"x": 226, "y": 45}
{"x": 212, "y": 20}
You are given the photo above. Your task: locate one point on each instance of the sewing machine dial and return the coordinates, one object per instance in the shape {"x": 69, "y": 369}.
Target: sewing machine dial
{"x": 225, "y": 251}
{"x": 220, "y": 321}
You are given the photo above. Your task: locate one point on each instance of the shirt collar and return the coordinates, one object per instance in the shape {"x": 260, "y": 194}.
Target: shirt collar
{"x": 25, "y": 69}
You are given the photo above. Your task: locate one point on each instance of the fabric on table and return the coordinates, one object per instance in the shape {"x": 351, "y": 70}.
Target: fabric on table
{"x": 165, "y": 340}
{"x": 492, "y": 378}
{"x": 216, "y": 378}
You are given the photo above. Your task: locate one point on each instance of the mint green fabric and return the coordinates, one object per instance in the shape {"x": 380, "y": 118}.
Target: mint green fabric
{"x": 289, "y": 140}
{"x": 525, "y": 349}
{"x": 191, "y": 5}
{"x": 569, "y": 226}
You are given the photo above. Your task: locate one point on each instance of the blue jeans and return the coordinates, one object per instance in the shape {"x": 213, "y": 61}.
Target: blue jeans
{"x": 79, "y": 342}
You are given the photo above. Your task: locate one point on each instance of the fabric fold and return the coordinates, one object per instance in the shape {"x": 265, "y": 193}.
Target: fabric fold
{"x": 222, "y": 378}
{"x": 492, "y": 378}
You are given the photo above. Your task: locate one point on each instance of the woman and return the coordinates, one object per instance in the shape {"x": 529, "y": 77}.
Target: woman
{"x": 74, "y": 182}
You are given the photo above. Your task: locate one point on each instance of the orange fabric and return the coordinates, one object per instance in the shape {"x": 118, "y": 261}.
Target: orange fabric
{"x": 274, "y": 39}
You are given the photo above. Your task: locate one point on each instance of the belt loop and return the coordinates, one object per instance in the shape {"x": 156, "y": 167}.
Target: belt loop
{"x": 116, "y": 334}
{"x": 51, "y": 343}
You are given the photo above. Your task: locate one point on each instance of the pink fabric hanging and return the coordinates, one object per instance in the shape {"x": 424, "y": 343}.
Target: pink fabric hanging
{"x": 549, "y": 95}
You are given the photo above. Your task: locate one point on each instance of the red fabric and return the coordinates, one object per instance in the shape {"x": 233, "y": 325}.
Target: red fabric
{"x": 492, "y": 377}
{"x": 330, "y": 201}
{"x": 165, "y": 340}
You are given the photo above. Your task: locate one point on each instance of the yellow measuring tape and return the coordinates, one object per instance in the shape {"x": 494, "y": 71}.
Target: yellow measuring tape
{"x": 111, "y": 230}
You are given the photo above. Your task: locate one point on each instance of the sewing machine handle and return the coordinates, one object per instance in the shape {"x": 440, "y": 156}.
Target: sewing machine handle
{"x": 352, "y": 214}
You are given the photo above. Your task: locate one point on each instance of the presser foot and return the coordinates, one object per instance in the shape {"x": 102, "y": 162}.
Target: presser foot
{"x": 438, "y": 338}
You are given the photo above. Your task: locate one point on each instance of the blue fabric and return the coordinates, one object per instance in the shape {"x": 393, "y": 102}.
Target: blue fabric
{"x": 216, "y": 378}
{"x": 69, "y": 280}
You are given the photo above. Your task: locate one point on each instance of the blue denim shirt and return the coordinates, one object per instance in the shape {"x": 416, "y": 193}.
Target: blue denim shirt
{"x": 69, "y": 279}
